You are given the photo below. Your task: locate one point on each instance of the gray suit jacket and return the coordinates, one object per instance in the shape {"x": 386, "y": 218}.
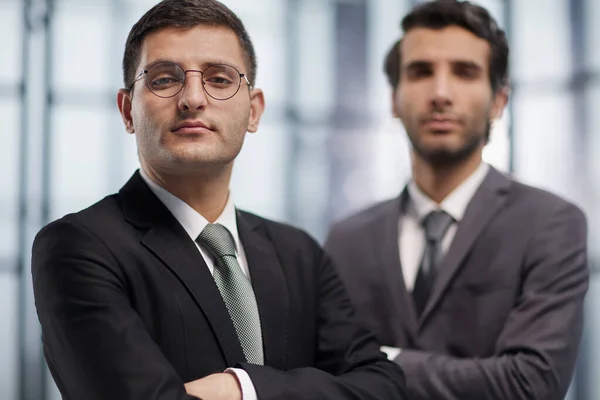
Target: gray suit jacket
{"x": 504, "y": 320}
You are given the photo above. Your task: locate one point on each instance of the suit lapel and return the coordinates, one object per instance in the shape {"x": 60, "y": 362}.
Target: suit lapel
{"x": 384, "y": 237}
{"x": 268, "y": 282}
{"x": 168, "y": 241}
{"x": 486, "y": 203}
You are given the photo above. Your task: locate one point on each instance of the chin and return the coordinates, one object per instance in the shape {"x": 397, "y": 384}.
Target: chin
{"x": 444, "y": 150}
{"x": 447, "y": 156}
{"x": 445, "y": 140}
{"x": 199, "y": 154}
{"x": 199, "y": 160}
{"x": 445, "y": 147}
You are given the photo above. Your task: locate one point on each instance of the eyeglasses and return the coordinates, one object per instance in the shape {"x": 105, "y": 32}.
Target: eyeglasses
{"x": 166, "y": 79}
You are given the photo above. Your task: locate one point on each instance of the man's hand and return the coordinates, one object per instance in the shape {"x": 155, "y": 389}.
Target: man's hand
{"x": 222, "y": 386}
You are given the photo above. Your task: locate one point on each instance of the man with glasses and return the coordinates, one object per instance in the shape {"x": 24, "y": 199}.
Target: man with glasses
{"x": 165, "y": 290}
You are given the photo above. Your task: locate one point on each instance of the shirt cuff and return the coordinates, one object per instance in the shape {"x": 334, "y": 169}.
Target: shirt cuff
{"x": 391, "y": 352}
{"x": 248, "y": 391}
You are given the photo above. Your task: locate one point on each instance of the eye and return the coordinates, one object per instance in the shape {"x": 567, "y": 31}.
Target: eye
{"x": 419, "y": 73}
{"x": 164, "y": 80}
{"x": 219, "y": 80}
{"x": 418, "y": 70}
{"x": 164, "y": 75}
{"x": 467, "y": 71}
{"x": 221, "y": 76}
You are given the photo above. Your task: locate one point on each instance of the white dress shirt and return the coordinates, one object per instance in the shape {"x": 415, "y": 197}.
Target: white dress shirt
{"x": 411, "y": 232}
{"x": 194, "y": 223}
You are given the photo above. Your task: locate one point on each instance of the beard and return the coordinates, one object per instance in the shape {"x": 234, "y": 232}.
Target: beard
{"x": 445, "y": 156}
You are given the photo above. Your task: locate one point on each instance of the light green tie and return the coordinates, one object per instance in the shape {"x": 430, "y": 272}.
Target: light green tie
{"x": 236, "y": 290}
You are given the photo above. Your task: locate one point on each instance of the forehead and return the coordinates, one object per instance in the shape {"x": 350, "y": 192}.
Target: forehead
{"x": 193, "y": 47}
{"x": 448, "y": 44}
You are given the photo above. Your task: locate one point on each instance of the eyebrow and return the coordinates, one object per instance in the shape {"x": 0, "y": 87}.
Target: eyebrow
{"x": 425, "y": 63}
{"x": 417, "y": 64}
{"x": 204, "y": 65}
{"x": 467, "y": 63}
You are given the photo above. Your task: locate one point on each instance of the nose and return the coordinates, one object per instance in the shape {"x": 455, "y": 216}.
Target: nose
{"x": 193, "y": 96}
{"x": 441, "y": 94}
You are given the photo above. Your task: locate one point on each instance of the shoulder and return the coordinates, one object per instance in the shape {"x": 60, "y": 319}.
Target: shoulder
{"x": 79, "y": 245}
{"x": 102, "y": 219}
{"x": 543, "y": 204}
{"x": 365, "y": 219}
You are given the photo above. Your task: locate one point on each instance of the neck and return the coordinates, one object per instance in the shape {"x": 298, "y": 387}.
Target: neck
{"x": 205, "y": 191}
{"x": 438, "y": 181}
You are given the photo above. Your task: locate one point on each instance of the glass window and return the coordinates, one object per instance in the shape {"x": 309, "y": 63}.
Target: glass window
{"x": 122, "y": 148}
{"x": 541, "y": 47}
{"x": 142, "y": 5}
{"x": 592, "y": 25}
{"x": 316, "y": 53}
{"x": 9, "y": 347}
{"x": 82, "y": 46}
{"x": 11, "y": 32}
{"x": 9, "y": 180}
{"x": 592, "y": 327}
{"x": 390, "y": 169}
{"x": 80, "y": 158}
{"x": 593, "y": 137}
{"x": 544, "y": 145}
{"x": 260, "y": 165}
{"x": 384, "y": 29}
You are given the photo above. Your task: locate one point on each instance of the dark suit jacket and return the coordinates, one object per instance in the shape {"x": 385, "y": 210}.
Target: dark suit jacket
{"x": 505, "y": 317}
{"x": 129, "y": 309}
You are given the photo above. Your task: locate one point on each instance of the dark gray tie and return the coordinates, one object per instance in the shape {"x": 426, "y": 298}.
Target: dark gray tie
{"x": 236, "y": 290}
{"x": 435, "y": 224}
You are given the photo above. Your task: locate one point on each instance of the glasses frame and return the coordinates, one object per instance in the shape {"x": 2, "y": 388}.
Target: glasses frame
{"x": 144, "y": 74}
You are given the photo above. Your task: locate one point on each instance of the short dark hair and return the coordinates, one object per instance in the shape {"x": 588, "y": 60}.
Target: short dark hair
{"x": 439, "y": 14}
{"x": 185, "y": 14}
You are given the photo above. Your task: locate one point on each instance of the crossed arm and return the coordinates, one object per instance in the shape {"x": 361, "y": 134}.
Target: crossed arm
{"x": 537, "y": 349}
{"x": 97, "y": 346}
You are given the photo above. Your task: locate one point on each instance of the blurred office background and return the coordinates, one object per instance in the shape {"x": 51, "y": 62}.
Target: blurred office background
{"x": 327, "y": 144}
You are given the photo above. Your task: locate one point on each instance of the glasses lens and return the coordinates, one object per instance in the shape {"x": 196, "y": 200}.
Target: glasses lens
{"x": 165, "y": 79}
{"x": 221, "y": 81}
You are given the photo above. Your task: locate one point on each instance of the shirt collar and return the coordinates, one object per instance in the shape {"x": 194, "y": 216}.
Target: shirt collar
{"x": 455, "y": 203}
{"x": 192, "y": 221}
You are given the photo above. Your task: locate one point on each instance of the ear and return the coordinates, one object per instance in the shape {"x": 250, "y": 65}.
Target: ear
{"x": 257, "y": 107}
{"x": 124, "y": 102}
{"x": 499, "y": 103}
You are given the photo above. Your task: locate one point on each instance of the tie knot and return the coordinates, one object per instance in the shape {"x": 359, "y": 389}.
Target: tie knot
{"x": 217, "y": 239}
{"x": 436, "y": 224}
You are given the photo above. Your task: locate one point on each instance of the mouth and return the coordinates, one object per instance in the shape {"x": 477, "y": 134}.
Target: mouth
{"x": 440, "y": 125}
{"x": 192, "y": 128}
